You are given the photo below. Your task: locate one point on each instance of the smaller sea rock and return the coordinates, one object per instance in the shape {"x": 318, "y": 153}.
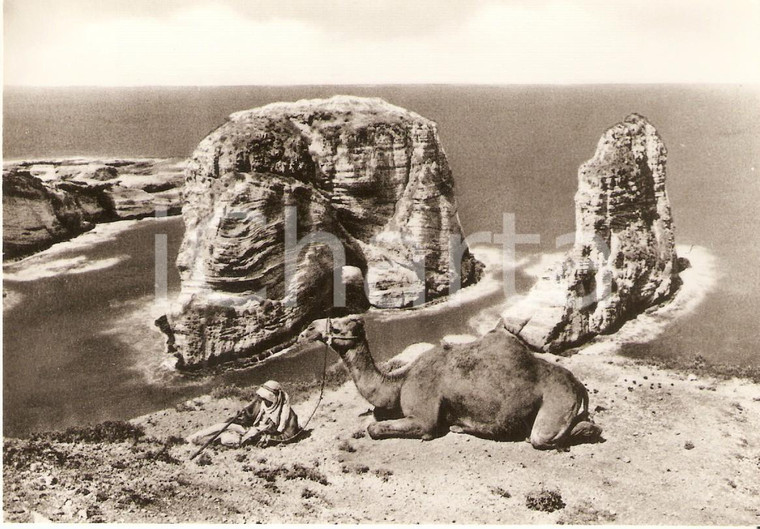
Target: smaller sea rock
{"x": 623, "y": 259}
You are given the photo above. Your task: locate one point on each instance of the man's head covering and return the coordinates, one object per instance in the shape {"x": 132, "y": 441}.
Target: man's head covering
{"x": 276, "y": 404}
{"x": 269, "y": 391}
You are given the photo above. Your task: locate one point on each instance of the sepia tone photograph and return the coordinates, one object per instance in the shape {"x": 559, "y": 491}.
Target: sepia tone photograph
{"x": 387, "y": 262}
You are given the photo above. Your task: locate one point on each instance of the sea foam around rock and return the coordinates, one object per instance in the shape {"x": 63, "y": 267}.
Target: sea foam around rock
{"x": 697, "y": 282}
{"x": 60, "y": 267}
{"x": 99, "y": 234}
{"x": 491, "y": 282}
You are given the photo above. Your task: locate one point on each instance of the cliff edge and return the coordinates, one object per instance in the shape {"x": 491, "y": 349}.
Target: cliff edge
{"x": 49, "y": 201}
{"x": 286, "y": 203}
{"x": 623, "y": 259}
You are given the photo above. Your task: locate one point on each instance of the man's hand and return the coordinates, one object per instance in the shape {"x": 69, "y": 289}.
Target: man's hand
{"x": 264, "y": 441}
{"x": 250, "y": 435}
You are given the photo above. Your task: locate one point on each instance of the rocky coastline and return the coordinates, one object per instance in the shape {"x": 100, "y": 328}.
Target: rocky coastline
{"x": 681, "y": 443}
{"x": 50, "y": 201}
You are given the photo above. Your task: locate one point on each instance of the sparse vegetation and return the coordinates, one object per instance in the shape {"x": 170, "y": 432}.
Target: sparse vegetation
{"x": 184, "y": 406}
{"x": 355, "y": 469}
{"x": 498, "y": 491}
{"x": 546, "y": 500}
{"x": 106, "y": 432}
{"x": 296, "y": 471}
{"x": 21, "y": 454}
{"x": 161, "y": 455}
{"x": 359, "y": 434}
{"x": 232, "y": 391}
{"x": 345, "y": 446}
{"x": 271, "y": 487}
{"x": 140, "y": 499}
{"x": 383, "y": 473}
{"x": 203, "y": 460}
{"x": 175, "y": 440}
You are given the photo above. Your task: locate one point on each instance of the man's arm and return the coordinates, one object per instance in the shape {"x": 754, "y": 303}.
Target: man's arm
{"x": 274, "y": 437}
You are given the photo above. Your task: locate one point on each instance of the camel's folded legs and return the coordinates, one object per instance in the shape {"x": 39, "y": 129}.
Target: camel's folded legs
{"x": 408, "y": 427}
{"x": 478, "y": 429}
{"x": 585, "y": 431}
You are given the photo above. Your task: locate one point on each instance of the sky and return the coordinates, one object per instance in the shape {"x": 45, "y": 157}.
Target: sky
{"x": 278, "y": 42}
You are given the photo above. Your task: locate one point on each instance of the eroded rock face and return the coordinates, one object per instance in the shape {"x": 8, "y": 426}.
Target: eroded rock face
{"x": 36, "y": 215}
{"x": 371, "y": 175}
{"x": 50, "y": 201}
{"x": 623, "y": 259}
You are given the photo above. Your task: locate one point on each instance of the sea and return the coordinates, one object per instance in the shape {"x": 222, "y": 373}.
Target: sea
{"x": 79, "y": 344}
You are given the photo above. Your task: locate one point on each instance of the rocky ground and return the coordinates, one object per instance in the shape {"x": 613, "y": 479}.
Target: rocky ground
{"x": 678, "y": 449}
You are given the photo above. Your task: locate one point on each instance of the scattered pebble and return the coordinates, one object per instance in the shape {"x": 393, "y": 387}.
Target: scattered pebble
{"x": 688, "y": 445}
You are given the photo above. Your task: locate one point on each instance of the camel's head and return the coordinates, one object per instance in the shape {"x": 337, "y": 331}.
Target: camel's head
{"x": 343, "y": 333}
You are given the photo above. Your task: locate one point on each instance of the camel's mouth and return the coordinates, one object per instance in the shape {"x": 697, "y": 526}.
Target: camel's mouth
{"x": 310, "y": 335}
{"x": 344, "y": 337}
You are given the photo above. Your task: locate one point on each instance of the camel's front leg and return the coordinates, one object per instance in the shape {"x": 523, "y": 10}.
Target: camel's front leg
{"x": 387, "y": 414}
{"x": 408, "y": 427}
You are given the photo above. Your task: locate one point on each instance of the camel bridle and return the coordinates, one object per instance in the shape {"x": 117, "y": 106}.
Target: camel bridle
{"x": 330, "y": 336}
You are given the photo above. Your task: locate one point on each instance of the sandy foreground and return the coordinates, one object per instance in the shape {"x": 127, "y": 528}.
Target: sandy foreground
{"x": 678, "y": 449}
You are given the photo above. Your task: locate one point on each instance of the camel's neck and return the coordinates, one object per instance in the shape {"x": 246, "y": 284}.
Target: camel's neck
{"x": 380, "y": 390}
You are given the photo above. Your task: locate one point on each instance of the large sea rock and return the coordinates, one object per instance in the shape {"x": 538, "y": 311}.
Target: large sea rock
{"x": 371, "y": 175}
{"x": 623, "y": 259}
{"x": 48, "y": 201}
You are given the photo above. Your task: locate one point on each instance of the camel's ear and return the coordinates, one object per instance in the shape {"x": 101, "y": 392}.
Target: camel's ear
{"x": 356, "y": 326}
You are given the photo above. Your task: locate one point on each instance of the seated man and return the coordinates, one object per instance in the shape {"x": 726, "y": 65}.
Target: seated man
{"x": 268, "y": 419}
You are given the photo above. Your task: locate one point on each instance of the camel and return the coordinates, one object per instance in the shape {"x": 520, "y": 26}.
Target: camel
{"x": 493, "y": 388}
